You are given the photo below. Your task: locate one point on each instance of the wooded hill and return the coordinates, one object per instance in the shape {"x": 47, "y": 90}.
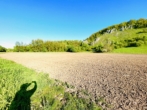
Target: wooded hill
{"x": 127, "y": 34}
{"x": 132, "y": 24}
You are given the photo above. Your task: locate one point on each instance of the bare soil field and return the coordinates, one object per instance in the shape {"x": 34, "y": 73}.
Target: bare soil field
{"x": 121, "y": 79}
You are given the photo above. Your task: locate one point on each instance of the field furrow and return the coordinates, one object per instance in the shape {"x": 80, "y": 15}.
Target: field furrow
{"x": 120, "y": 79}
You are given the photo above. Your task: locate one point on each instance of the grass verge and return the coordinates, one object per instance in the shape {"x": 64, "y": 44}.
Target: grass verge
{"x": 132, "y": 50}
{"x": 19, "y": 92}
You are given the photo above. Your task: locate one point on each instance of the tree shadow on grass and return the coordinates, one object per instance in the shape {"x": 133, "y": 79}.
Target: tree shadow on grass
{"x": 22, "y": 100}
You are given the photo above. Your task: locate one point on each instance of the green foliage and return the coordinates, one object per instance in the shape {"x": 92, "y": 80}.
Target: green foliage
{"x": 98, "y": 48}
{"x": 9, "y": 50}
{"x": 132, "y": 24}
{"x": 144, "y": 30}
{"x": 141, "y": 23}
{"x": 126, "y": 34}
{"x": 135, "y": 41}
{"x": 3, "y": 49}
{"x": 73, "y": 49}
{"x": 85, "y": 47}
{"x": 50, "y": 94}
{"x": 52, "y": 46}
{"x": 78, "y": 104}
{"x": 120, "y": 39}
{"x": 139, "y": 43}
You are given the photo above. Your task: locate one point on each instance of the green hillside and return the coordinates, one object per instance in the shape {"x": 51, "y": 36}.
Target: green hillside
{"x": 127, "y": 34}
{"x": 132, "y": 50}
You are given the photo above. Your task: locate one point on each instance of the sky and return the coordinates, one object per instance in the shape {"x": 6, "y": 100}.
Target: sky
{"x": 27, "y": 20}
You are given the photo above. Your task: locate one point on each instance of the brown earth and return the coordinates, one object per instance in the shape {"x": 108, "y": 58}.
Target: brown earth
{"x": 121, "y": 79}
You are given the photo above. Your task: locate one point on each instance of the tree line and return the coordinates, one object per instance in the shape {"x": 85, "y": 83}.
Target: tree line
{"x": 52, "y": 46}
{"x": 79, "y": 46}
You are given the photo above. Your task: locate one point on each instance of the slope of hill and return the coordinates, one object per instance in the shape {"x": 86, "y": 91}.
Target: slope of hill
{"x": 127, "y": 34}
{"x": 132, "y": 50}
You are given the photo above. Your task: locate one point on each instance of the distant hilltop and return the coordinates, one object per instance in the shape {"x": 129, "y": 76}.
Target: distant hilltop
{"x": 127, "y": 34}
{"x": 131, "y": 24}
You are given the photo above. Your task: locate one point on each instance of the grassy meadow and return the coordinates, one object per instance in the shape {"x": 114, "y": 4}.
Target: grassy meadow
{"x": 18, "y": 83}
{"x": 135, "y": 39}
{"x": 132, "y": 50}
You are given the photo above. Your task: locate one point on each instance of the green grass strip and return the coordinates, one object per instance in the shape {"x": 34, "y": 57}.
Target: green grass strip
{"x": 17, "y": 91}
{"x": 132, "y": 50}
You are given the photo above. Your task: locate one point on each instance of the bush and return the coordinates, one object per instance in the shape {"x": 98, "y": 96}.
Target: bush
{"x": 10, "y": 50}
{"x": 144, "y": 30}
{"x": 3, "y": 49}
{"x": 144, "y": 38}
{"x": 132, "y": 44}
{"x": 118, "y": 44}
{"x": 139, "y": 43}
{"x": 73, "y": 49}
{"x": 98, "y": 48}
{"x": 85, "y": 47}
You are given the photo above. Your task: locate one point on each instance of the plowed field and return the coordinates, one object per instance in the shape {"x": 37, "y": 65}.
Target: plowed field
{"x": 121, "y": 79}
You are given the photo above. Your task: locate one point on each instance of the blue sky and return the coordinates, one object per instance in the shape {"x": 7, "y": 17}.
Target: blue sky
{"x": 25, "y": 20}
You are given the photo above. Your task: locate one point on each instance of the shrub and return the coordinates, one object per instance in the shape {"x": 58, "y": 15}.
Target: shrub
{"x": 118, "y": 44}
{"x": 132, "y": 44}
{"x": 85, "y": 47}
{"x": 3, "y": 49}
{"x": 144, "y": 38}
{"x": 98, "y": 48}
{"x": 10, "y": 50}
{"x": 144, "y": 30}
{"x": 73, "y": 49}
{"x": 139, "y": 43}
